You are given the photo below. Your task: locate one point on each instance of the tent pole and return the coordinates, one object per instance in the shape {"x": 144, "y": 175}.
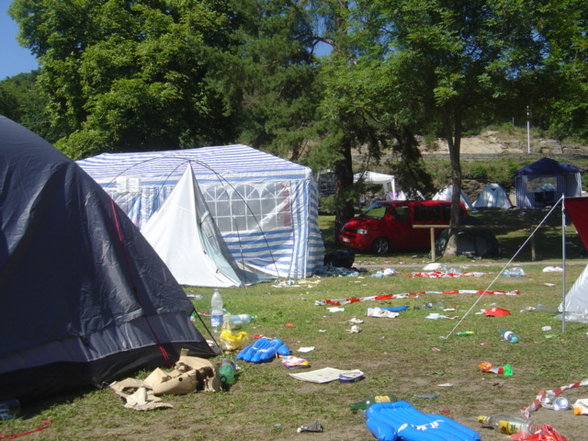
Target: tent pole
{"x": 563, "y": 273}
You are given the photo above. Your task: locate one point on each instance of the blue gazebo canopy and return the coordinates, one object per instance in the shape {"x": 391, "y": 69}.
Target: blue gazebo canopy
{"x": 547, "y": 166}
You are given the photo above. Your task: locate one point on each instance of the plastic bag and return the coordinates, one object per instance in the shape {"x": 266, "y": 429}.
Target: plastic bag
{"x": 233, "y": 341}
{"x": 546, "y": 433}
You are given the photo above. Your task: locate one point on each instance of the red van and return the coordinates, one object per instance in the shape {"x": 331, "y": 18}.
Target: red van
{"x": 387, "y": 225}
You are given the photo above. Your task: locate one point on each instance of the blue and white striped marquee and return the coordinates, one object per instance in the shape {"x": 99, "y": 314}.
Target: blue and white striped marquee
{"x": 265, "y": 207}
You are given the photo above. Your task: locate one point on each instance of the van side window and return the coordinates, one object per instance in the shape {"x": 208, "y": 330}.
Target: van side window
{"x": 400, "y": 213}
{"x": 424, "y": 213}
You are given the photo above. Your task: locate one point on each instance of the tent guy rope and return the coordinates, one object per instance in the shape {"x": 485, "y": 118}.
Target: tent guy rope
{"x": 458, "y": 324}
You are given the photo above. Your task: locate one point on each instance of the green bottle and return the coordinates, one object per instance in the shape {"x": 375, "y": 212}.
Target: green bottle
{"x": 364, "y": 404}
{"x": 226, "y": 372}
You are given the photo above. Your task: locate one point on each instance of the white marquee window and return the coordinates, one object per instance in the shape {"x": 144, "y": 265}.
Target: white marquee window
{"x": 250, "y": 207}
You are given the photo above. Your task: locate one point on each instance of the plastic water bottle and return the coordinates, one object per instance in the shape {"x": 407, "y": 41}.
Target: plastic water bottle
{"x": 238, "y": 320}
{"x": 216, "y": 311}
{"x": 508, "y": 425}
{"x": 364, "y": 404}
{"x": 509, "y": 336}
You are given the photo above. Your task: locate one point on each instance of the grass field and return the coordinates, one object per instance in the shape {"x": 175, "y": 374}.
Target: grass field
{"x": 405, "y": 356}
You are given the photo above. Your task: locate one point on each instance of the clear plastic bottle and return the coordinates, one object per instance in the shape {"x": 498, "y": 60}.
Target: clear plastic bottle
{"x": 238, "y": 320}
{"x": 364, "y": 404}
{"x": 506, "y": 424}
{"x": 216, "y": 311}
{"x": 509, "y": 336}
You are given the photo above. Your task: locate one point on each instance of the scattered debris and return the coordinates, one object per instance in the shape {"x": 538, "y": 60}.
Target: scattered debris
{"x": 316, "y": 427}
{"x": 437, "y": 316}
{"x": 293, "y": 362}
{"x": 486, "y": 366}
{"x": 496, "y": 312}
{"x": 552, "y": 269}
{"x": 411, "y": 295}
{"x": 324, "y": 375}
{"x": 381, "y": 313}
{"x": 537, "y": 403}
{"x": 514, "y": 272}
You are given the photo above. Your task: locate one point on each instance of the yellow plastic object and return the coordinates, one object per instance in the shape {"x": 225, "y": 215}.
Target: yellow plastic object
{"x": 232, "y": 341}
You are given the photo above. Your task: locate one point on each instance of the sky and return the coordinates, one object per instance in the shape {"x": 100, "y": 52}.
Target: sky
{"x": 14, "y": 58}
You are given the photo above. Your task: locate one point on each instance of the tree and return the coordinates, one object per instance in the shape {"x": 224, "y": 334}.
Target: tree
{"x": 132, "y": 75}
{"x": 461, "y": 61}
{"x": 356, "y": 111}
{"x": 22, "y": 101}
{"x": 278, "y": 71}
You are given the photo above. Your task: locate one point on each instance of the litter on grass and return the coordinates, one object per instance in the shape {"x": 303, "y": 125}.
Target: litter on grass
{"x": 437, "y": 316}
{"x": 325, "y": 375}
{"x": 496, "y": 312}
{"x": 381, "y": 313}
{"x": 552, "y": 393}
{"x": 316, "y": 427}
{"x": 552, "y": 269}
{"x": 445, "y": 275}
{"x": 411, "y": 295}
{"x": 293, "y": 362}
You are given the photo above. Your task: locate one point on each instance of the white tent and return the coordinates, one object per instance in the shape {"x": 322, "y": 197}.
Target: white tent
{"x": 575, "y": 304}
{"x": 446, "y": 193}
{"x": 265, "y": 207}
{"x": 370, "y": 177}
{"x": 493, "y": 196}
{"x": 186, "y": 238}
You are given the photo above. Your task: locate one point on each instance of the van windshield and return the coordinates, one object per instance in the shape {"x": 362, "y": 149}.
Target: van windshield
{"x": 375, "y": 211}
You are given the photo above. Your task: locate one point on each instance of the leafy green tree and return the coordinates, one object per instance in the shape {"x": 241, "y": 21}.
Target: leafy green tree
{"x": 564, "y": 101}
{"x": 22, "y": 101}
{"x": 137, "y": 75}
{"x": 460, "y": 61}
{"x": 278, "y": 72}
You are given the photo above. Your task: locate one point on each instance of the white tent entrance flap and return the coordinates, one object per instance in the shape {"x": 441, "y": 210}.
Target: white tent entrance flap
{"x": 185, "y": 236}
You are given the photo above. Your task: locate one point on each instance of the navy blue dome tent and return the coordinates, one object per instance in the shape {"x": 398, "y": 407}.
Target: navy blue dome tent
{"x": 543, "y": 182}
{"x": 85, "y": 298}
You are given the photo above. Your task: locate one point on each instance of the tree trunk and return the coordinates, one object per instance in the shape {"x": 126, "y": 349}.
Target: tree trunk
{"x": 454, "y": 145}
{"x": 343, "y": 184}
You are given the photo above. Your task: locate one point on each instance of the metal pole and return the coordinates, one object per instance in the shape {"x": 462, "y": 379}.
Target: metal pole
{"x": 528, "y": 131}
{"x": 563, "y": 273}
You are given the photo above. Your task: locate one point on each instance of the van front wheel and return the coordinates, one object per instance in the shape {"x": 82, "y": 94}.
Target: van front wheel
{"x": 380, "y": 246}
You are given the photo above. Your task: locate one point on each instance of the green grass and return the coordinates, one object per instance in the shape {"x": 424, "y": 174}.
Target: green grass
{"x": 398, "y": 356}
